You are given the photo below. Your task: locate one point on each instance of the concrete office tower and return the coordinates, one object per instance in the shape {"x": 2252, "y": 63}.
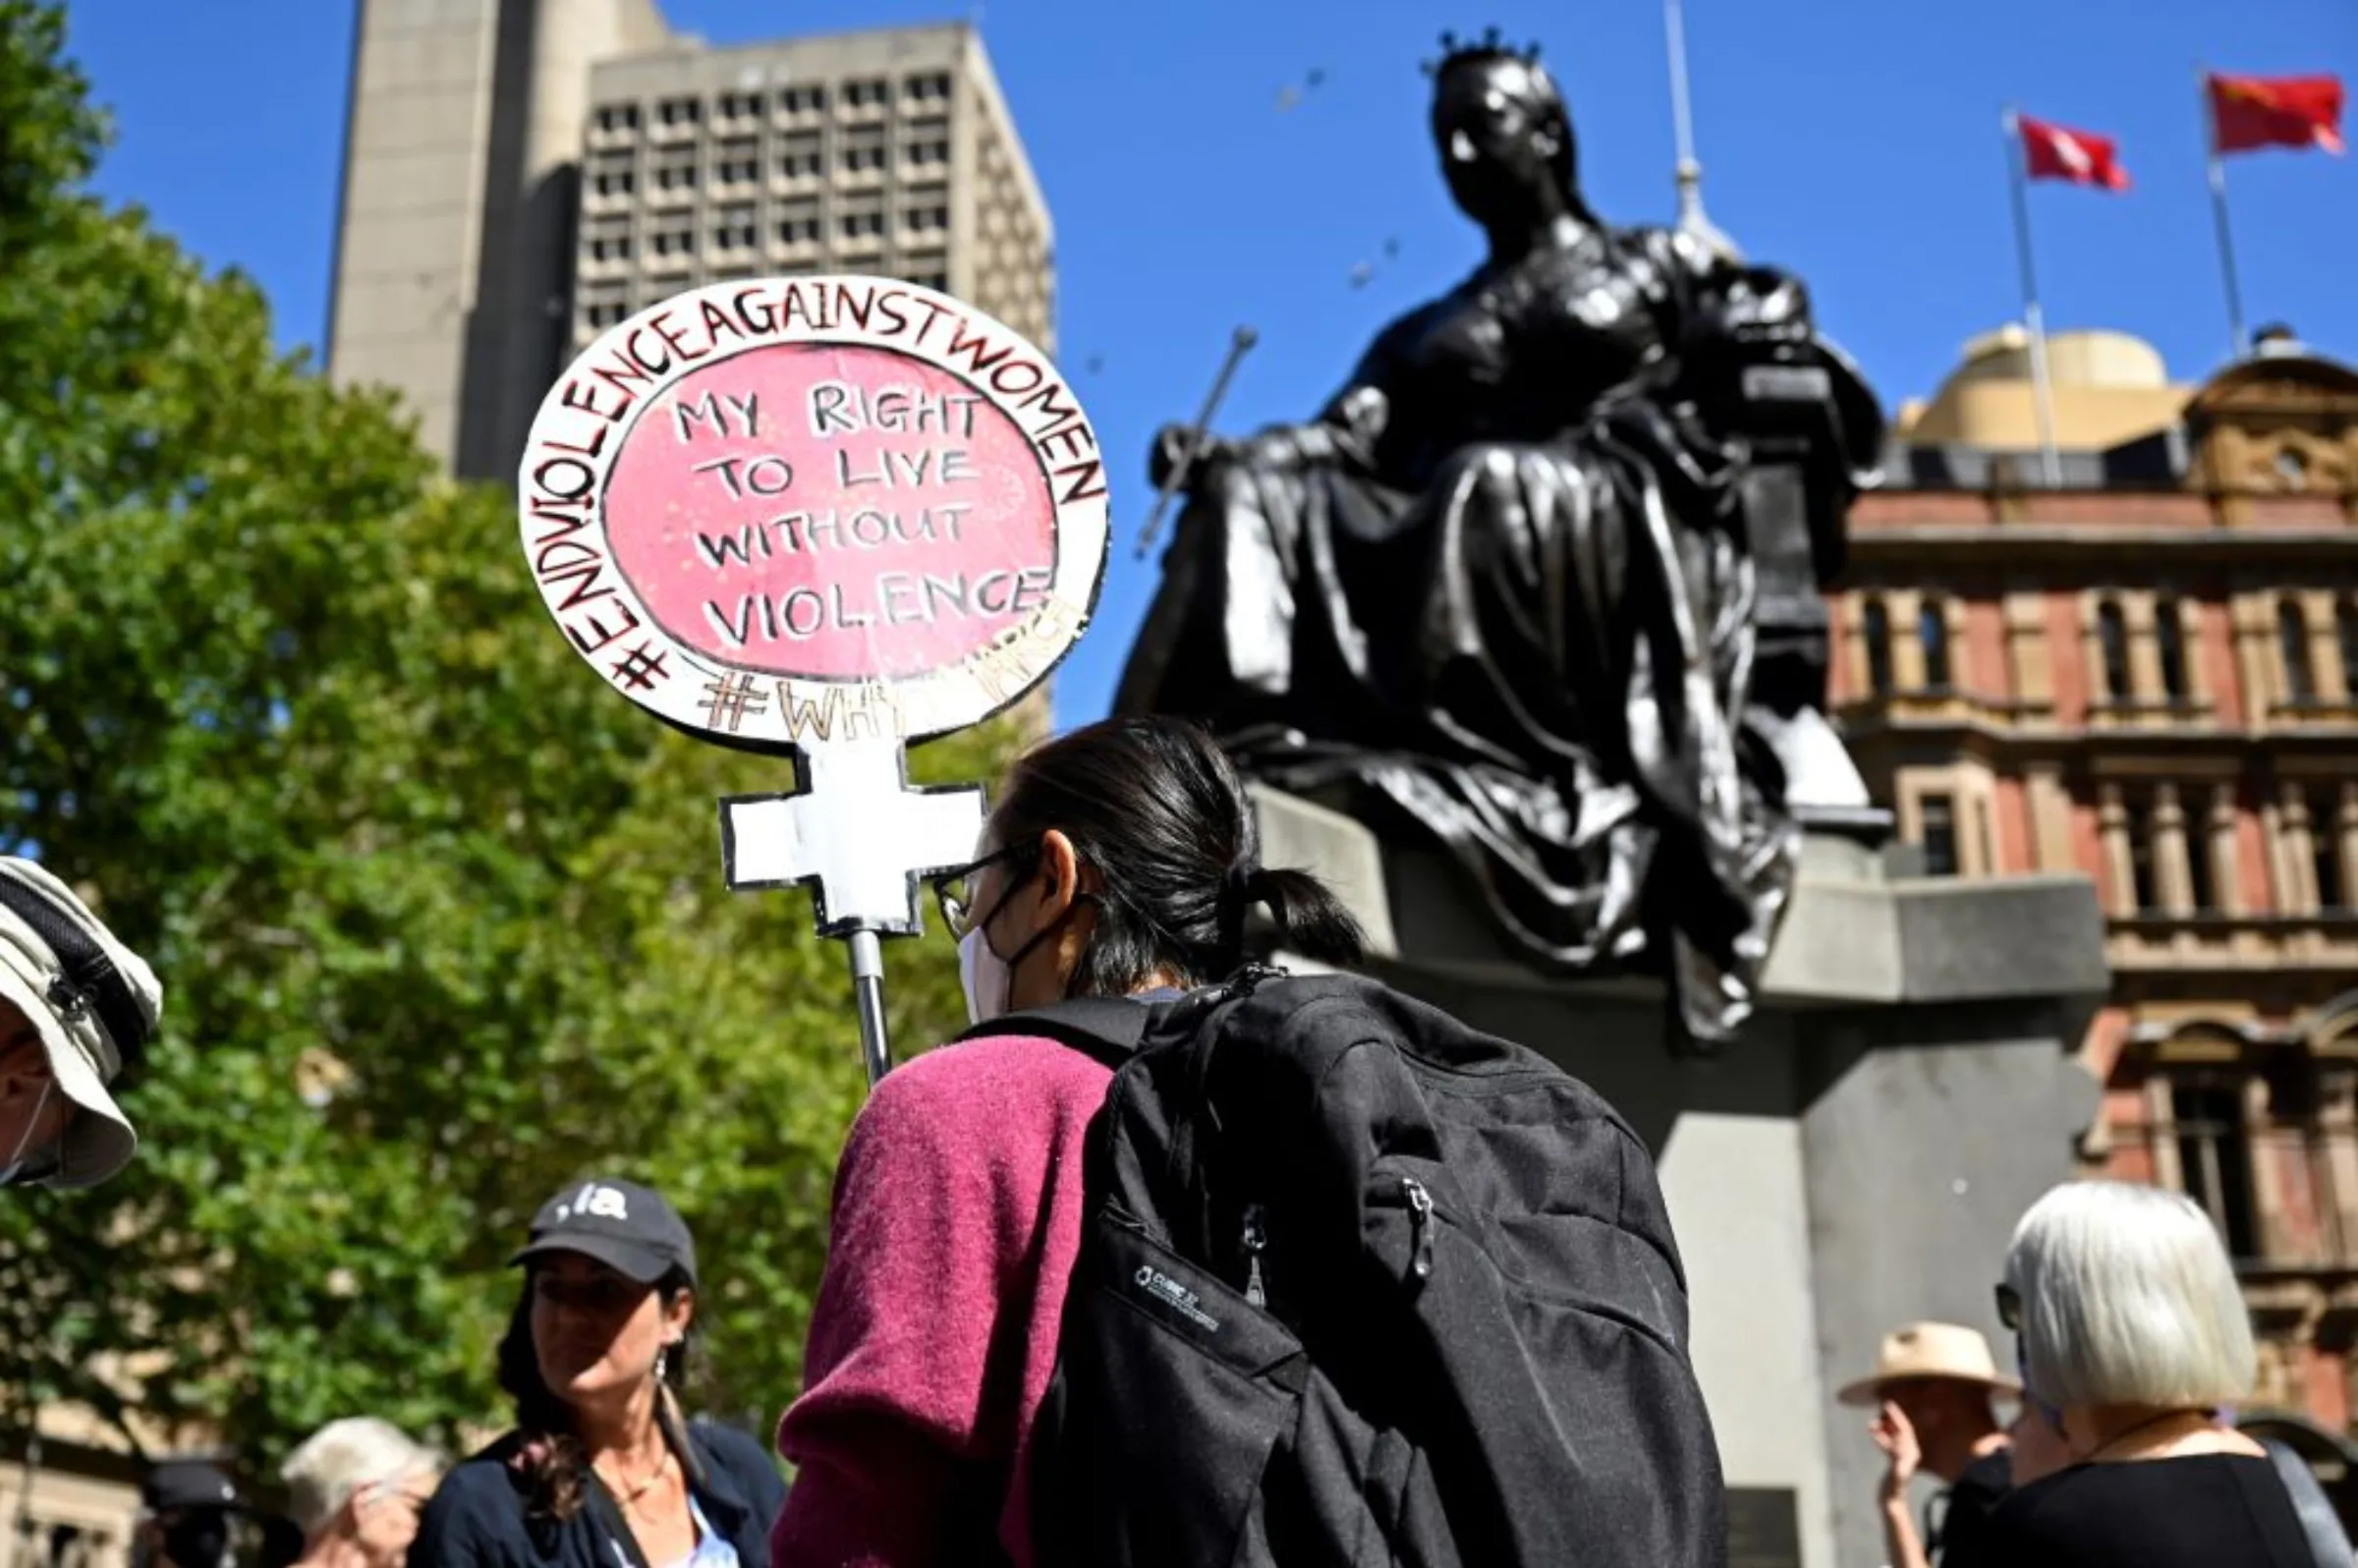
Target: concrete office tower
{"x": 887, "y": 152}
{"x": 521, "y": 172}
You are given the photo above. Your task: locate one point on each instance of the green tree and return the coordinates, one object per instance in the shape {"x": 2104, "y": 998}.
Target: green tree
{"x": 440, "y": 920}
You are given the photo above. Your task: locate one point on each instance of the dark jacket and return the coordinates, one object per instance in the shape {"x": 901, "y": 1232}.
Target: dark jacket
{"x": 478, "y": 1517}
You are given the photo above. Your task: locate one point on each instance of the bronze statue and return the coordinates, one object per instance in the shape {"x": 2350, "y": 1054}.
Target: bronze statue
{"x": 1505, "y": 590}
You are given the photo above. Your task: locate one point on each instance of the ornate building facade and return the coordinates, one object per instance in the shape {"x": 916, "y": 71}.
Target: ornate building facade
{"x": 2147, "y": 672}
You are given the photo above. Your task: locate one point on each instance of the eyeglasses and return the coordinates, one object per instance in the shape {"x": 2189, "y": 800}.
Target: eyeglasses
{"x": 2009, "y": 1307}
{"x": 955, "y": 891}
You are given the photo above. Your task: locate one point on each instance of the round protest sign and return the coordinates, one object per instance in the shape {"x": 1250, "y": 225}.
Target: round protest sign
{"x": 793, "y": 511}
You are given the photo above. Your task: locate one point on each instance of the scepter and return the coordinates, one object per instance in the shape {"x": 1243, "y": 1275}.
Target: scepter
{"x": 1239, "y": 345}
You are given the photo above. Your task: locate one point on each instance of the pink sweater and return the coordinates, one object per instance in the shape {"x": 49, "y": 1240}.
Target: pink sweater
{"x": 957, "y": 1219}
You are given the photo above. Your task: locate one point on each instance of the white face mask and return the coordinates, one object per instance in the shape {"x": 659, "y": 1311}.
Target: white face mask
{"x": 16, "y": 1158}
{"x": 985, "y": 976}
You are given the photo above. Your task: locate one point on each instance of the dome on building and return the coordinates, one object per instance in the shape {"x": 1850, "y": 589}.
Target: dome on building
{"x": 2108, "y": 387}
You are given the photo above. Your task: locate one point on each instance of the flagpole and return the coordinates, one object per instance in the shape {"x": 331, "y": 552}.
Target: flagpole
{"x": 1682, "y": 115}
{"x": 2043, "y": 397}
{"x": 2218, "y": 215}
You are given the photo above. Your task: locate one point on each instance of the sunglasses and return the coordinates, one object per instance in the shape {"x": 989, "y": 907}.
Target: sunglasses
{"x": 957, "y": 891}
{"x": 2009, "y": 1307}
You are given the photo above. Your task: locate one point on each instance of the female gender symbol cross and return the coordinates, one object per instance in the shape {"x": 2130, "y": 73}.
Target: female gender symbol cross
{"x": 826, "y": 517}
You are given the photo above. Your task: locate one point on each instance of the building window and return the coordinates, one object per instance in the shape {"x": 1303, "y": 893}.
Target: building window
{"x": 2112, "y": 647}
{"x": 615, "y": 182}
{"x": 1875, "y": 627}
{"x": 861, "y": 225}
{"x": 736, "y": 106}
{"x": 617, "y": 117}
{"x": 2201, "y": 880}
{"x": 679, "y": 112}
{"x": 926, "y": 219}
{"x": 672, "y": 243}
{"x": 2345, "y": 632}
{"x": 868, "y": 158}
{"x": 736, "y": 230}
{"x": 610, "y": 247}
{"x": 927, "y": 153}
{"x": 800, "y": 158}
{"x": 935, "y": 88}
{"x": 799, "y": 228}
{"x": 870, "y": 94}
{"x": 1939, "y": 814}
{"x": 2144, "y": 889}
{"x": 676, "y": 176}
{"x": 2292, "y": 647}
{"x": 739, "y": 162}
{"x": 2215, "y": 1157}
{"x": 802, "y": 101}
{"x": 1932, "y": 629}
{"x": 2324, "y": 849}
{"x": 2170, "y": 642}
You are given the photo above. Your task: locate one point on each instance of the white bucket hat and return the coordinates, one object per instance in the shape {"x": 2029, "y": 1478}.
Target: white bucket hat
{"x": 94, "y": 1002}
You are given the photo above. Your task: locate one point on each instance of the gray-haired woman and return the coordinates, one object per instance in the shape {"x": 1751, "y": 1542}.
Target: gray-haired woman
{"x": 2132, "y": 1335}
{"x": 356, "y": 1488}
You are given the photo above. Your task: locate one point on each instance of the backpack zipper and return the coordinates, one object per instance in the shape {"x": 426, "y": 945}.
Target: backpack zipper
{"x": 1419, "y": 1225}
{"x": 1257, "y": 1236}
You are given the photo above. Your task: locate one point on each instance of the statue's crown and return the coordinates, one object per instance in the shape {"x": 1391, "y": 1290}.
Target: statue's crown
{"x": 1456, "y": 51}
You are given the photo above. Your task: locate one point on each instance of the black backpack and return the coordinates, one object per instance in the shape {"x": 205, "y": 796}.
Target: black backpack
{"x": 1359, "y": 1285}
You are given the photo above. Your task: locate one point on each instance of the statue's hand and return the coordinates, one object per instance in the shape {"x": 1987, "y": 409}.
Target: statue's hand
{"x": 1170, "y": 447}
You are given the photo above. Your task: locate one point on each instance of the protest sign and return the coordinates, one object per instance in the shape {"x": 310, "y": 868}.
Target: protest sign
{"x": 822, "y": 517}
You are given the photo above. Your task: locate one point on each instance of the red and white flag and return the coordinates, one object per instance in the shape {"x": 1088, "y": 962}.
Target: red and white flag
{"x": 2058, "y": 152}
{"x": 2252, "y": 112}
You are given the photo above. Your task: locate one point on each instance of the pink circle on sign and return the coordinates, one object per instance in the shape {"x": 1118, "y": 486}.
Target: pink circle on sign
{"x": 836, "y": 512}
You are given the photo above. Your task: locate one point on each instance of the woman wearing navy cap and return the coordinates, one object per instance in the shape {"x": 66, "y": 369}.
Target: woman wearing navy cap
{"x": 601, "y": 1471}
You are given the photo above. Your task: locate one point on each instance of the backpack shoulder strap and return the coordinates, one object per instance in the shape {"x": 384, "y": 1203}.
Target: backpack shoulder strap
{"x": 1105, "y": 1029}
{"x": 2319, "y": 1522}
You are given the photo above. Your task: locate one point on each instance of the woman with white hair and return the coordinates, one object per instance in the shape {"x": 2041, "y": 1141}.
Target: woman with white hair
{"x": 2132, "y": 1336}
{"x": 355, "y": 1487}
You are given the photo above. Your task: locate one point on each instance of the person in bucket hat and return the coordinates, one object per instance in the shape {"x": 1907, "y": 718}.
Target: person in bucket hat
{"x": 1932, "y": 1388}
{"x": 77, "y": 1008}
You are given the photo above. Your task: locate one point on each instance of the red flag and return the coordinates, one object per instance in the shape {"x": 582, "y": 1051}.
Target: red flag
{"x": 2058, "y": 153}
{"x": 2248, "y": 112}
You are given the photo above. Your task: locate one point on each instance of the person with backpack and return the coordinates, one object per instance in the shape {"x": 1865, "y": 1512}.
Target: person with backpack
{"x": 1170, "y": 1260}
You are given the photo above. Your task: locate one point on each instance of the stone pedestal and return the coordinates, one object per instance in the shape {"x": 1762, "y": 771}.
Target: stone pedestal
{"x": 1856, "y": 1160}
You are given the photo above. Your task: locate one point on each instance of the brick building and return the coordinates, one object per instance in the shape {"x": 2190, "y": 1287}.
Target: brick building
{"x": 2149, "y": 673}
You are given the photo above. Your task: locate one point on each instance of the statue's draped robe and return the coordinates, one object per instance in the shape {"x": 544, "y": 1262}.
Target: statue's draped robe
{"x": 1499, "y": 594}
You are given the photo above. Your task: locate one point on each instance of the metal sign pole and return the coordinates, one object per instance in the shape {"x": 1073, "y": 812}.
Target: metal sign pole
{"x": 868, "y": 992}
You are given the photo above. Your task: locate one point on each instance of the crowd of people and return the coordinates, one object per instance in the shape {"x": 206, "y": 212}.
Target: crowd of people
{"x": 1120, "y": 868}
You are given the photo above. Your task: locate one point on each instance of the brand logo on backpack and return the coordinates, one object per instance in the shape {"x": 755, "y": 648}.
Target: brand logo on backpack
{"x": 1186, "y": 1302}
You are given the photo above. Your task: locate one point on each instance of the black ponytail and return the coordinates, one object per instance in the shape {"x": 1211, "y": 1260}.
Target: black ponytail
{"x": 1155, "y": 807}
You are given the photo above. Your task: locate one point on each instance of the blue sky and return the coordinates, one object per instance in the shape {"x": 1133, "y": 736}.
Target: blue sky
{"x": 1855, "y": 140}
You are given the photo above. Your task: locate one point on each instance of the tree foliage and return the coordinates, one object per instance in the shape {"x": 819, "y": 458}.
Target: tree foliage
{"x": 440, "y": 920}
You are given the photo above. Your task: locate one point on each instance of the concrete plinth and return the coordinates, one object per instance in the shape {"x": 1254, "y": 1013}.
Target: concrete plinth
{"x": 1857, "y": 1159}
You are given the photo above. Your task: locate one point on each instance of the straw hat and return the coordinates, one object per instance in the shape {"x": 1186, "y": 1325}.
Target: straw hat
{"x": 1929, "y": 1350}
